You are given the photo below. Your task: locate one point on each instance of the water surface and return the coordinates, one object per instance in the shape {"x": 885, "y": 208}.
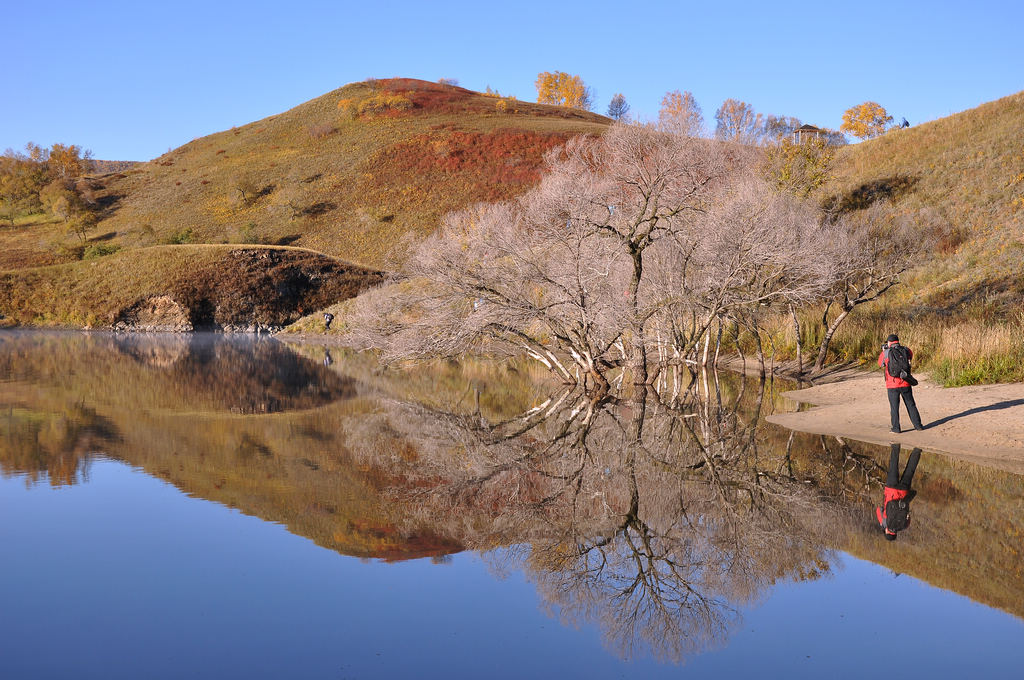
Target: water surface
{"x": 210, "y": 507}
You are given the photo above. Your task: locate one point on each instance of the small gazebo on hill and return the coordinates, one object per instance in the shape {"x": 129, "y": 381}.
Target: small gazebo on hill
{"x": 806, "y": 131}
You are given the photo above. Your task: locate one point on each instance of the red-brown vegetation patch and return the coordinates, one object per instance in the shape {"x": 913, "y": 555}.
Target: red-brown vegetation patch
{"x": 16, "y": 258}
{"x": 434, "y": 97}
{"x": 501, "y": 157}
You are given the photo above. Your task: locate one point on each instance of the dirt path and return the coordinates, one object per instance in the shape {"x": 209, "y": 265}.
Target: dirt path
{"x": 982, "y": 423}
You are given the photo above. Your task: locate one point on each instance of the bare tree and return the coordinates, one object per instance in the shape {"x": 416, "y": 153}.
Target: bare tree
{"x": 560, "y": 273}
{"x": 633, "y": 243}
{"x": 869, "y": 252}
{"x": 245, "y": 188}
{"x": 618, "y": 108}
{"x": 681, "y": 114}
{"x": 756, "y": 249}
{"x": 738, "y": 122}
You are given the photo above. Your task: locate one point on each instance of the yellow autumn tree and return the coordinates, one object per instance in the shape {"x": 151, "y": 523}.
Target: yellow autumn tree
{"x": 681, "y": 114}
{"x": 563, "y": 89}
{"x": 865, "y": 120}
{"x": 68, "y": 160}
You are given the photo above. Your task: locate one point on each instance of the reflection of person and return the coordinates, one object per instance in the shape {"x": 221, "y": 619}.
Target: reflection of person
{"x": 897, "y": 387}
{"x": 894, "y": 515}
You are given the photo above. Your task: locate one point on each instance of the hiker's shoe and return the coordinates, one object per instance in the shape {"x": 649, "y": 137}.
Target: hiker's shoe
{"x": 896, "y": 431}
{"x": 918, "y": 427}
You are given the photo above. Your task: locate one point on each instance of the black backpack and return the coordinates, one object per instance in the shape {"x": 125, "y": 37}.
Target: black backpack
{"x": 897, "y": 514}
{"x": 899, "y": 362}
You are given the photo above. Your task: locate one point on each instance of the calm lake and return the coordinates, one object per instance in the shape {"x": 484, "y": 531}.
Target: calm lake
{"x": 237, "y": 507}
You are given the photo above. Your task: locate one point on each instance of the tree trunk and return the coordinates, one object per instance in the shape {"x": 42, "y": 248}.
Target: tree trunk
{"x": 718, "y": 342}
{"x": 823, "y": 350}
{"x": 760, "y": 351}
{"x": 799, "y": 344}
{"x": 638, "y": 356}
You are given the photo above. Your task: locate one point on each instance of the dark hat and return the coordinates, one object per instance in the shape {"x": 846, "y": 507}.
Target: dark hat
{"x": 892, "y": 338}
{"x": 890, "y": 537}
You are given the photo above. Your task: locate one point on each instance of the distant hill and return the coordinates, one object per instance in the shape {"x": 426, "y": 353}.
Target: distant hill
{"x": 348, "y": 174}
{"x": 968, "y": 169}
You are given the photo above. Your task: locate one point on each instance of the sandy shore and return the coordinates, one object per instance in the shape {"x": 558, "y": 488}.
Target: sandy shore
{"x": 983, "y": 423}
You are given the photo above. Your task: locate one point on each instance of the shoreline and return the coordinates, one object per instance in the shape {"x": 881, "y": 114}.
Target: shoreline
{"x": 983, "y": 424}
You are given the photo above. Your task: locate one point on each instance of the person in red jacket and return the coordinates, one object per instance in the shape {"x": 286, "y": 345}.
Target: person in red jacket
{"x": 894, "y": 515}
{"x": 897, "y": 388}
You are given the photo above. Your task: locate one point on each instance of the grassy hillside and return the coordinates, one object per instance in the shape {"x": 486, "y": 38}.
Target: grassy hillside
{"x": 968, "y": 169}
{"x": 348, "y": 174}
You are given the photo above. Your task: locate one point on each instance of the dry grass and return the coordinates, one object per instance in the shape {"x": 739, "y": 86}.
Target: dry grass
{"x": 955, "y": 350}
{"x": 348, "y": 185}
{"x": 968, "y": 170}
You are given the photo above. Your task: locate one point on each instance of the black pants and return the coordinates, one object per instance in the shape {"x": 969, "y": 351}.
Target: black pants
{"x": 894, "y": 407}
{"x": 893, "y": 479}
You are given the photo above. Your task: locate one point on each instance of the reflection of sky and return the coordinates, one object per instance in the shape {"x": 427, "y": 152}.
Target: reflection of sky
{"x": 125, "y": 576}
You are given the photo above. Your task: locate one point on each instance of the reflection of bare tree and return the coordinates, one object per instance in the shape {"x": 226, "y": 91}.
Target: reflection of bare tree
{"x": 655, "y": 517}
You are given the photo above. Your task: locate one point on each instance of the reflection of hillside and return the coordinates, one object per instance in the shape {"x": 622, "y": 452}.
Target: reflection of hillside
{"x": 53, "y": 445}
{"x": 655, "y": 518}
{"x": 176, "y": 372}
{"x": 292, "y": 467}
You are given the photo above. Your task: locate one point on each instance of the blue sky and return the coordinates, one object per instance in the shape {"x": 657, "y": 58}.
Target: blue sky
{"x": 130, "y": 80}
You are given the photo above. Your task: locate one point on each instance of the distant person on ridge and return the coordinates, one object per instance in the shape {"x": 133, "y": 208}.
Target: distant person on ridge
{"x": 894, "y": 515}
{"x": 899, "y": 385}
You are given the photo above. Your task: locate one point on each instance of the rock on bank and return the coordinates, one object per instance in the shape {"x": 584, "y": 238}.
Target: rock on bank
{"x": 182, "y": 288}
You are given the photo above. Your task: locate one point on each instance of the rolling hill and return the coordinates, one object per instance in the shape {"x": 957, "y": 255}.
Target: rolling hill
{"x": 346, "y": 176}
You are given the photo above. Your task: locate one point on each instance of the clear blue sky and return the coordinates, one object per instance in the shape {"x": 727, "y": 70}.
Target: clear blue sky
{"x": 130, "y": 80}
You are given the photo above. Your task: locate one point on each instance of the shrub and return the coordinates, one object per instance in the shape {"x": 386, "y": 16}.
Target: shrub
{"x": 99, "y": 250}
{"x": 321, "y": 130}
{"x": 384, "y": 102}
{"x": 182, "y": 236}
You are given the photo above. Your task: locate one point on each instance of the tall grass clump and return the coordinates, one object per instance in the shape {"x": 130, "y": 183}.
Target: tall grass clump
{"x": 973, "y": 353}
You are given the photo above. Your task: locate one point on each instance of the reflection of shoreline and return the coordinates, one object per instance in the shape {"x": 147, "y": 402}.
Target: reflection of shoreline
{"x": 196, "y": 372}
